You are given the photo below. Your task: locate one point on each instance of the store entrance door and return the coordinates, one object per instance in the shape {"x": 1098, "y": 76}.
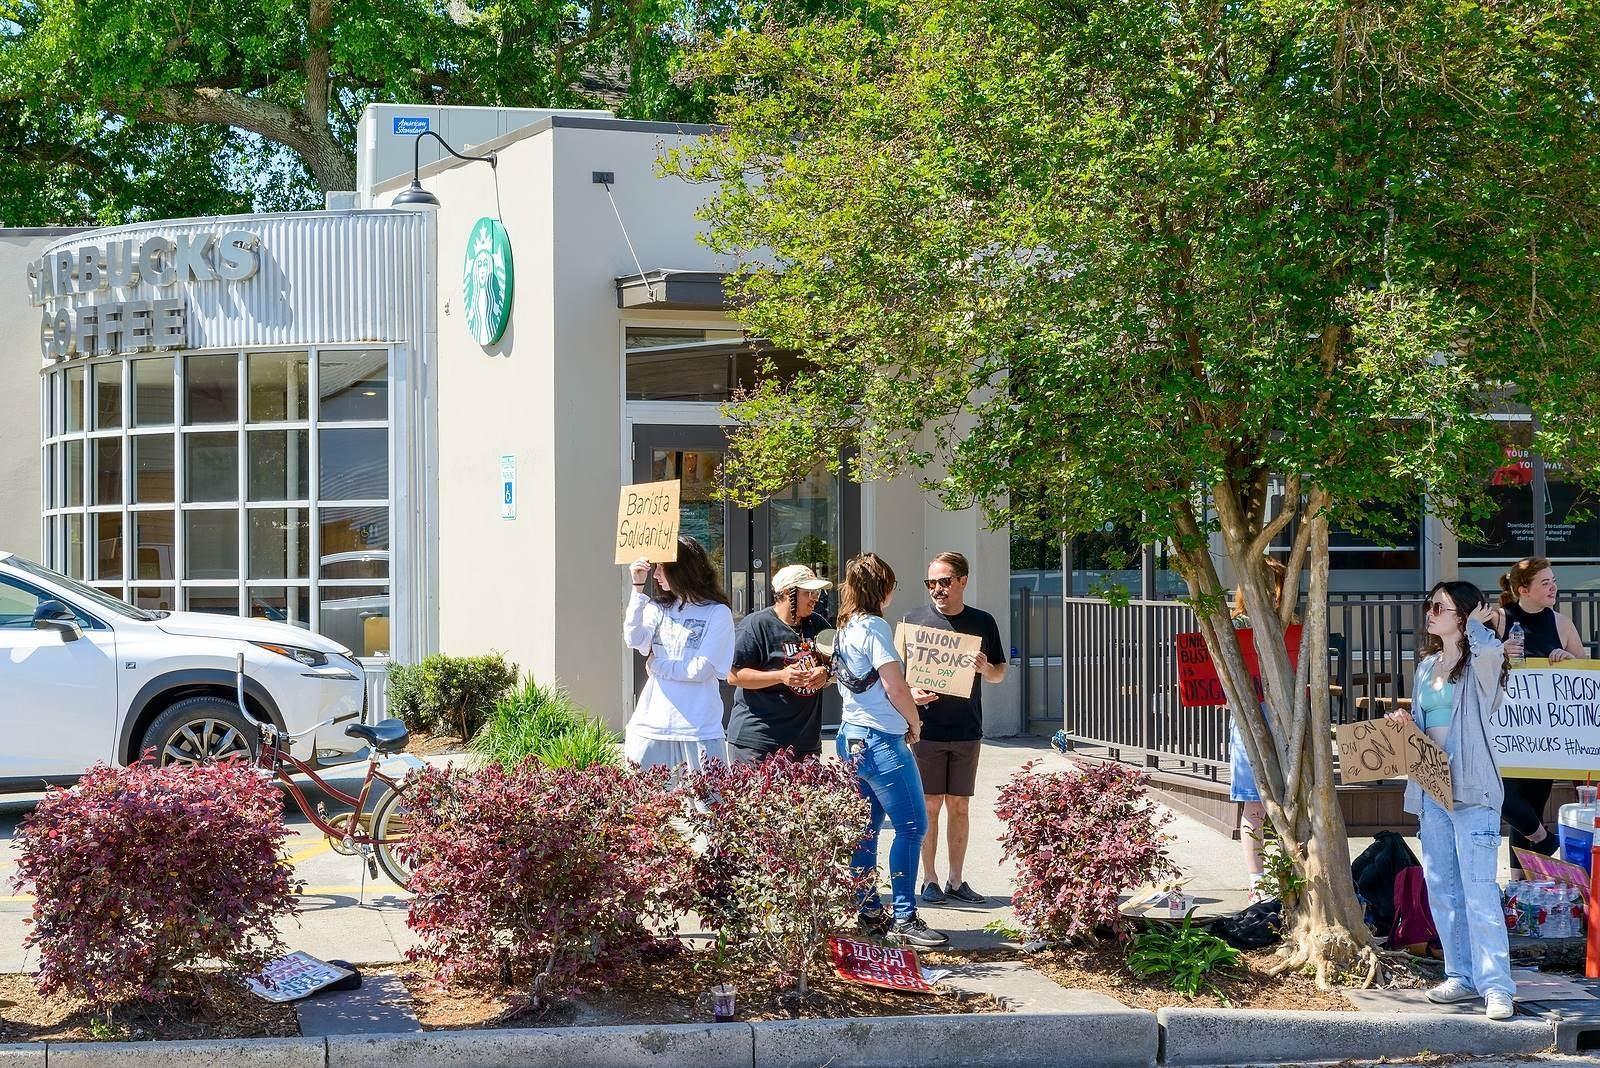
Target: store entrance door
{"x": 816, "y": 522}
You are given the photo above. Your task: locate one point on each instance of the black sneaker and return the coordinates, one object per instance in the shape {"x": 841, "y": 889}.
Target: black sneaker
{"x": 932, "y": 894}
{"x": 914, "y": 932}
{"x": 963, "y": 893}
{"x": 875, "y": 923}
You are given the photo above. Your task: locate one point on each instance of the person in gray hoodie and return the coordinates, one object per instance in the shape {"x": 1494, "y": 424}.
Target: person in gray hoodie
{"x": 1460, "y": 679}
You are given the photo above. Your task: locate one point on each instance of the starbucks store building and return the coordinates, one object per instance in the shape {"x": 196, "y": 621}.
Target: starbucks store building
{"x": 404, "y": 426}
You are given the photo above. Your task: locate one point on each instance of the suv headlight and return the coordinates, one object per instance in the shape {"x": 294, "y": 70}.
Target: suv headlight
{"x": 308, "y": 657}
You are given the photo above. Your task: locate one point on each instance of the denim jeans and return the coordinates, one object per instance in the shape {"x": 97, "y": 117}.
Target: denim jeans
{"x": 886, "y": 774}
{"x": 1460, "y": 851}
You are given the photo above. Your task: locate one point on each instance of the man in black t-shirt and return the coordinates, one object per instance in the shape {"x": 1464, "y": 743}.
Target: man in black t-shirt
{"x": 780, "y": 677}
{"x": 952, "y": 727}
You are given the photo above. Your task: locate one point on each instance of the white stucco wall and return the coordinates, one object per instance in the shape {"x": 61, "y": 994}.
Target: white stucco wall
{"x": 19, "y": 390}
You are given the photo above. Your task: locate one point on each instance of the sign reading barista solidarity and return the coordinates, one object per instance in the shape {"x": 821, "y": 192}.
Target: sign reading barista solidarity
{"x": 1548, "y": 726}
{"x": 647, "y": 522}
{"x": 78, "y": 290}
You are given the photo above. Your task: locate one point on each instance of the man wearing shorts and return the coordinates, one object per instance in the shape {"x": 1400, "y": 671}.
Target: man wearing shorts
{"x": 952, "y": 728}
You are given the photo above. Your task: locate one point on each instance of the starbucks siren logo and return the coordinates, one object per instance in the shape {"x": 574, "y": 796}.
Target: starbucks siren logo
{"x": 487, "y": 281}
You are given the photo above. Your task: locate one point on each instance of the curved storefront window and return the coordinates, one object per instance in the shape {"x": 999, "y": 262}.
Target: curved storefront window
{"x": 253, "y": 483}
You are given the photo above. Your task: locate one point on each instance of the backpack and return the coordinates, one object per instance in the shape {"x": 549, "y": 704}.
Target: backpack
{"x": 1258, "y": 925}
{"x": 1373, "y": 873}
{"x": 1413, "y": 921}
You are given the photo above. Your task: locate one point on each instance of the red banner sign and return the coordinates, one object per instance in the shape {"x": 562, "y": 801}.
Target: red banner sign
{"x": 875, "y": 965}
{"x": 1198, "y": 682}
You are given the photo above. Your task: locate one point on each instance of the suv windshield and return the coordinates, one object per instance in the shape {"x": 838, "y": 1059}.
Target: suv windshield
{"x": 88, "y": 593}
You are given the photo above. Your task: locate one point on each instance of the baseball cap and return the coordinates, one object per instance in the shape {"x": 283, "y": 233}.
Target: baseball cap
{"x": 798, "y": 575}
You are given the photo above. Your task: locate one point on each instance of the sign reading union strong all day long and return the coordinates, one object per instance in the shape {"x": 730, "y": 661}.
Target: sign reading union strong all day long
{"x": 1548, "y": 726}
{"x": 488, "y": 281}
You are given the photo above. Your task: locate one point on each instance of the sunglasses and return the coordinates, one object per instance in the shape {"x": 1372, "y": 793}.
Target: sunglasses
{"x": 938, "y": 583}
{"x": 1435, "y": 607}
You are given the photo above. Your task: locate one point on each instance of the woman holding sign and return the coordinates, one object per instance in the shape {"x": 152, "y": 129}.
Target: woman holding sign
{"x": 1458, "y": 683}
{"x": 1528, "y": 601}
{"x": 686, "y": 631}
{"x": 880, "y": 721}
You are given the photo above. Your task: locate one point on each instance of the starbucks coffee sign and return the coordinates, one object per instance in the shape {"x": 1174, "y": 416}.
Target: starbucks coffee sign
{"x": 89, "y": 311}
{"x": 488, "y": 280}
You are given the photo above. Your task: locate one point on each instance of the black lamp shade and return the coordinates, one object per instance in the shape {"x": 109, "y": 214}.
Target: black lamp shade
{"x": 414, "y": 196}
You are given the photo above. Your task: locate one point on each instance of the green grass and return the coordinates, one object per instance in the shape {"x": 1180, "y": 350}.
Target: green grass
{"x": 540, "y": 720}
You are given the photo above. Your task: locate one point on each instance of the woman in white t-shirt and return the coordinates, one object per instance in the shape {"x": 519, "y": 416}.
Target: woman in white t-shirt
{"x": 880, "y": 719}
{"x": 686, "y": 632}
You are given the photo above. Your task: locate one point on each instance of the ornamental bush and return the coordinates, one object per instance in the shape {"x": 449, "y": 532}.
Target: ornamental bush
{"x": 543, "y": 875}
{"x": 540, "y": 720}
{"x": 448, "y": 693}
{"x": 140, "y": 872}
{"x": 774, "y": 879}
{"x": 1079, "y": 838}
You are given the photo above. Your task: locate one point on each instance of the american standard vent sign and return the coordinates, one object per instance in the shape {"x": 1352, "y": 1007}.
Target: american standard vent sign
{"x": 89, "y": 299}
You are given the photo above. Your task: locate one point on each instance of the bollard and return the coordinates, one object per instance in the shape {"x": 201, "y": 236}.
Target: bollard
{"x": 1591, "y": 961}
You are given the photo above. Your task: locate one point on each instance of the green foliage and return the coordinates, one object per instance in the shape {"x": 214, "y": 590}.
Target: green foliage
{"x": 1279, "y": 876}
{"x": 540, "y": 720}
{"x": 1189, "y": 955}
{"x": 448, "y": 692}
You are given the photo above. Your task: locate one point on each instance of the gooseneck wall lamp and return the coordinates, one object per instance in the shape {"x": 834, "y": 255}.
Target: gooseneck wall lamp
{"x": 414, "y": 196}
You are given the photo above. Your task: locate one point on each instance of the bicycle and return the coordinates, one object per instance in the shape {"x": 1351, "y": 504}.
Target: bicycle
{"x": 370, "y": 835}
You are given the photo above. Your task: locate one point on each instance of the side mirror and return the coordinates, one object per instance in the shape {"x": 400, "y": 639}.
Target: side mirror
{"x": 53, "y": 615}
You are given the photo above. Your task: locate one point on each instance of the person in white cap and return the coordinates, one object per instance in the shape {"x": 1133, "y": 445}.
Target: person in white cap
{"x": 779, "y": 675}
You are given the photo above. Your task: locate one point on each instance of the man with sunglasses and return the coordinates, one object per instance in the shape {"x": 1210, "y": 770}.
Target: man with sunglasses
{"x": 952, "y": 727}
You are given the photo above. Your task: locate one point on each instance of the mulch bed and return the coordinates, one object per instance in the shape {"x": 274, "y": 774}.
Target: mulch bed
{"x": 207, "y": 1007}
{"x": 427, "y": 745}
{"x": 667, "y": 991}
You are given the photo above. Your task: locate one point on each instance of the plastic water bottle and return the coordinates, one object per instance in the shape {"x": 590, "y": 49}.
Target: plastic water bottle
{"x": 1517, "y": 634}
{"x": 1575, "y": 825}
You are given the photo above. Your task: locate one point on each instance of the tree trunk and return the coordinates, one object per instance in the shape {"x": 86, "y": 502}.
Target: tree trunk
{"x": 1324, "y": 929}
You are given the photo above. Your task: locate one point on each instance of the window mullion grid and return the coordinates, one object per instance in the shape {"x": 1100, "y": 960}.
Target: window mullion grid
{"x": 240, "y": 487}
{"x": 314, "y": 482}
{"x": 180, "y": 484}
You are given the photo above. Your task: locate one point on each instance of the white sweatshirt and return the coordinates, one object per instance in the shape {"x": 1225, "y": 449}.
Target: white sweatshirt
{"x": 690, "y": 648}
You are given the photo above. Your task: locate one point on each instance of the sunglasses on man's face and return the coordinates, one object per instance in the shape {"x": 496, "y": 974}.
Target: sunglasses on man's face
{"x": 941, "y": 583}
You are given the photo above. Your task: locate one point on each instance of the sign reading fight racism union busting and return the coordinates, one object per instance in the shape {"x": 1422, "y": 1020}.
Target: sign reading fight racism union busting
{"x": 1548, "y": 726}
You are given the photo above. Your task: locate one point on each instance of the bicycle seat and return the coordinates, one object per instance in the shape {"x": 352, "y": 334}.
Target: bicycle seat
{"x": 384, "y": 736}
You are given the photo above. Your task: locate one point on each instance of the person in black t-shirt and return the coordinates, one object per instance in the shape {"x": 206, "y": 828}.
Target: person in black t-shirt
{"x": 779, "y": 674}
{"x": 952, "y": 727}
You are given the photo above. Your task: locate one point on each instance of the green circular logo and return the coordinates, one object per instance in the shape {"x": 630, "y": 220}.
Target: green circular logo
{"x": 488, "y": 280}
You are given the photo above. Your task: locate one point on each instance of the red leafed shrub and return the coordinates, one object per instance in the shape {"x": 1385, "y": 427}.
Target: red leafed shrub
{"x": 542, "y": 873}
{"x": 139, "y": 872}
{"x": 1079, "y": 838}
{"x": 774, "y": 878}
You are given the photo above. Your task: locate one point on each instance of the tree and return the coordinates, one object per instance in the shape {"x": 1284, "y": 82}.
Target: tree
{"x": 297, "y": 75}
{"x": 1219, "y": 273}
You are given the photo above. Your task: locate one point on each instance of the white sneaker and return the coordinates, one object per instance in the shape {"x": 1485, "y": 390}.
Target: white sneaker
{"x": 1451, "y": 991}
{"x": 1500, "y": 1006}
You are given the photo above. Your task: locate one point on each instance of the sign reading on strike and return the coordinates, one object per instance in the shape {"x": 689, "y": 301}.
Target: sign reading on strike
{"x": 875, "y": 965}
{"x": 647, "y": 522}
{"x": 1198, "y": 682}
{"x": 1548, "y": 726}
{"x": 943, "y": 661}
{"x": 1385, "y": 749}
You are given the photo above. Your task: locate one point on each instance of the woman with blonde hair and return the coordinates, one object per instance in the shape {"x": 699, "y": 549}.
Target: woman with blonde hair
{"x": 1242, "y": 786}
{"x": 880, "y": 720}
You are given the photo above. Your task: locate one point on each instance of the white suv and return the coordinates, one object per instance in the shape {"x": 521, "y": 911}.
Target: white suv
{"x": 85, "y": 677}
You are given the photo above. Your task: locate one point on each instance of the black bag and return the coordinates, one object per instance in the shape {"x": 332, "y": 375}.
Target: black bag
{"x": 1257, "y": 926}
{"x": 1373, "y": 873}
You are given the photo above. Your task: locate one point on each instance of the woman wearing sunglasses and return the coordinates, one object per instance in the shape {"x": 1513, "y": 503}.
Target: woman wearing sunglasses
{"x": 1459, "y": 681}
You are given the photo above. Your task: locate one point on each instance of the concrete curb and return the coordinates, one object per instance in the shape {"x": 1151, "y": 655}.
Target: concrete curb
{"x": 1127, "y": 1038}
{"x": 707, "y": 1045}
{"x": 22, "y": 1055}
{"x": 201, "y": 1053}
{"x": 1244, "y": 1036}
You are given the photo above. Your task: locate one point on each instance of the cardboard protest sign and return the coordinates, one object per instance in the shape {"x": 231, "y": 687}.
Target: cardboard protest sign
{"x": 938, "y": 659}
{"x": 1198, "y": 682}
{"x": 647, "y": 522}
{"x": 1548, "y": 726}
{"x": 293, "y": 977}
{"x": 1384, "y": 749}
{"x": 875, "y": 965}
{"x": 1552, "y": 869}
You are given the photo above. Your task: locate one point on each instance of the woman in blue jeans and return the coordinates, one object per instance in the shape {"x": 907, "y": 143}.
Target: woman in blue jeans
{"x": 880, "y": 719}
{"x": 1460, "y": 679}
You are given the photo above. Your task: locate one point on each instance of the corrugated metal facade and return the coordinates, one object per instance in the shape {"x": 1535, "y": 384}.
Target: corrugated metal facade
{"x": 332, "y": 277}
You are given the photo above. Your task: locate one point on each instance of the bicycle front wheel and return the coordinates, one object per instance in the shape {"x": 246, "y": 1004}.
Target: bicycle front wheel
{"x": 391, "y": 826}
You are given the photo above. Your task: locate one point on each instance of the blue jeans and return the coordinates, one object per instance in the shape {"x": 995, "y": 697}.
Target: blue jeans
{"x": 886, "y": 774}
{"x": 1460, "y": 851}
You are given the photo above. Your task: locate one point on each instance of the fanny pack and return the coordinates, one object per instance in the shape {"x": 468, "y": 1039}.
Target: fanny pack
{"x": 849, "y": 679}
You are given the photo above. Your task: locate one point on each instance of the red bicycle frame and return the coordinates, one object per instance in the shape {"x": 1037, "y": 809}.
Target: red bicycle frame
{"x": 271, "y": 757}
